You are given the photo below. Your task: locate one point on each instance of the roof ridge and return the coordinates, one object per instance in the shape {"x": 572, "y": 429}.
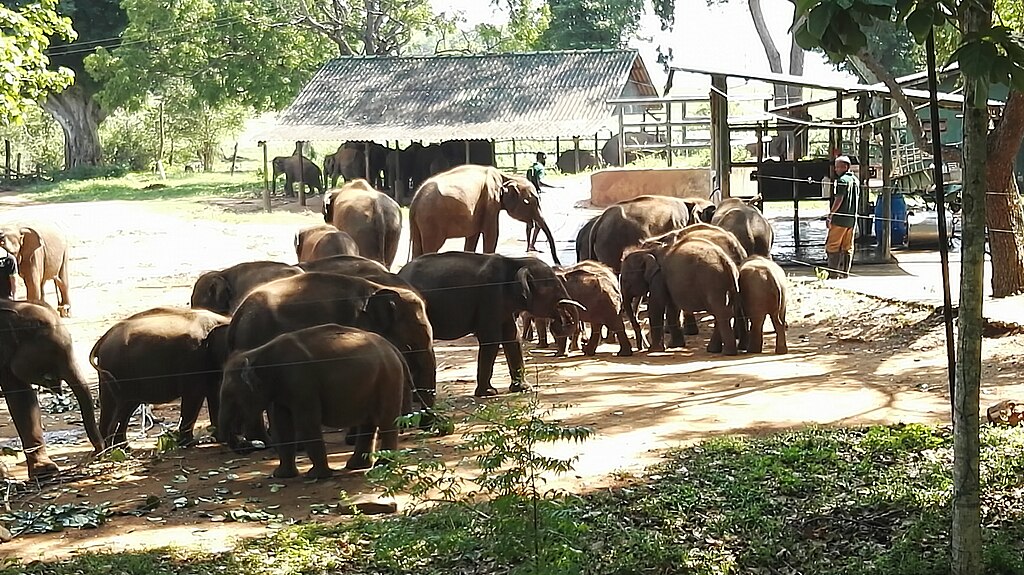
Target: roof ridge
{"x": 487, "y": 54}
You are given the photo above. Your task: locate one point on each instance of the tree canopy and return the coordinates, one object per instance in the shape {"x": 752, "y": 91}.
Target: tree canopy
{"x": 26, "y": 75}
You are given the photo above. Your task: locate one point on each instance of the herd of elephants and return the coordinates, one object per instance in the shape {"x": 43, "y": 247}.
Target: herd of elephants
{"x": 339, "y": 340}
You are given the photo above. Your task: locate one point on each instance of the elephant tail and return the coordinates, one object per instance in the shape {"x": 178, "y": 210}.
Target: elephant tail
{"x": 94, "y": 353}
{"x": 415, "y": 241}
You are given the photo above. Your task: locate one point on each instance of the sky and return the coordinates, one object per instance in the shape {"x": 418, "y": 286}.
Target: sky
{"x": 719, "y": 37}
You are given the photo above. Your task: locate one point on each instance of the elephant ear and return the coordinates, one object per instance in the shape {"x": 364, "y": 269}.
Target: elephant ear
{"x": 248, "y": 374}
{"x": 219, "y": 293}
{"x": 510, "y": 195}
{"x": 31, "y": 240}
{"x": 382, "y": 307}
{"x": 651, "y": 267}
{"x": 523, "y": 282}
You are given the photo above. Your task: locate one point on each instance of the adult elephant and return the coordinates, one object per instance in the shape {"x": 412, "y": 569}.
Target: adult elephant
{"x": 36, "y": 348}
{"x": 465, "y": 202}
{"x": 629, "y": 222}
{"x": 322, "y": 241}
{"x": 742, "y": 218}
{"x": 221, "y": 291}
{"x": 481, "y": 294}
{"x": 41, "y": 251}
{"x": 583, "y": 240}
{"x": 701, "y": 210}
{"x": 372, "y": 218}
{"x": 316, "y": 298}
{"x": 349, "y": 162}
{"x": 158, "y": 356}
{"x": 296, "y": 168}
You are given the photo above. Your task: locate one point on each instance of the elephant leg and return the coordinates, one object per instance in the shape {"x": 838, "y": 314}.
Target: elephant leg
{"x": 108, "y": 405}
{"x": 122, "y": 418}
{"x": 723, "y": 339}
{"x": 486, "y": 356}
{"x": 675, "y": 333}
{"x": 387, "y": 439}
{"x": 619, "y": 330}
{"x": 213, "y": 408}
{"x": 656, "y": 316}
{"x": 191, "y": 405}
{"x": 528, "y": 324}
{"x": 561, "y": 346}
{"x": 531, "y": 237}
{"x": 471, "y": 243}
{"x": 590, "y": 348}
{"x": 755, "y": 336}
{"x": 61, "y": 284}
{"x": 781, "y": 348}
{"x": 690, "y": 326}
{"x": 542, "y": 331}
{"x": 23, "y": 406}
{"x": 490, "y": 233}
{"x": 283, "y": 424}
{"x": 361, "y": 455}
{"x": 513, "y": 350}
{"x": 33, "y": 278}
{"x": 634, "y": 321}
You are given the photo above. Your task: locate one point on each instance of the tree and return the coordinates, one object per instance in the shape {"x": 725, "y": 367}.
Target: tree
{"x": 371, "y": 27}
{"x": 99, "y": 23}
{"x": 581, "y": 24}
{"x": 25, "y": 77}
{"x": 987, "y": 54}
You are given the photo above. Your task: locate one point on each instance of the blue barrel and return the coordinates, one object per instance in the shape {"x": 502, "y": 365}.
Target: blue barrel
{"x": 898, "y": 227}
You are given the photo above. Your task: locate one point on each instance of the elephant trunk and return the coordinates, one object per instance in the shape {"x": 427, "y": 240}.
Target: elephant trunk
{"x": 543, "y": 225}
{"x": 273, "y": 181}
{"x": 76, "y": 382}
{"x": 423, "y": 366}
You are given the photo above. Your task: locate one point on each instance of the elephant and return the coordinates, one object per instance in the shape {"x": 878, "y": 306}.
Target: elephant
{"x": 701, "y": 210}
{"x": 349, "y": 163}
{"x": 628, "y": 222}
{"x": 481, "y": 294}
{"x": 158, "y": 356}
{"x": 566, "y": 161}
{"x": 322, "y": 241}
{"x": 35, "y": 347}
{"x": 696, "y": 274}
{"x": 480, "y": 152}
{"x": 747, "y": 223}
{"x": 465, "y": 202}
{"x": 583, "y": 240}
{"x": 41, "y": 251}
{"x": 762, "y": 286}
{"x": 295, "y": 169}
{"x": 638, "y": 275}
{"x": 373, "y": 219}
{"x": 594, "y": 285}
{"x": 610, "y": 150}
{"x": 315, "y": 298}
{"x": 321, "y": 375}
{"x": 221, "y": 291}
{"x": 357, "y": 266}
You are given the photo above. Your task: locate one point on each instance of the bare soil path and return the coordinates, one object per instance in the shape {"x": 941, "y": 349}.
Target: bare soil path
{"x": 854, "y": 359}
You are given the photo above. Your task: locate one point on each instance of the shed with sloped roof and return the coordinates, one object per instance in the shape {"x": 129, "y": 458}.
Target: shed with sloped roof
{"x": 535, "y": 95}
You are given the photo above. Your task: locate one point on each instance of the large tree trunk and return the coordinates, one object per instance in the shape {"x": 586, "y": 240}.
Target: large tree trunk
{"x": 80, "y": 116}
{"x": 904, "y": 103}
{"x": 1004, "y": 213}
{"x": 772, "y": 52}
{"x": 966, "y": 531}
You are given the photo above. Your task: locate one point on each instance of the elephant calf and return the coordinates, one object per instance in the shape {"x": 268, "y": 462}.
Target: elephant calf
{"x": 36, "y": 348}
{"x": 322, "y": 375}
{"x": 42, "y": 254}
{"x": 222, "y": 291}
{"x": 763, "y": 294}
{"x": 158, "y": 356}
{"x": 594, "y": 285}
{"x": 323, "y": 241}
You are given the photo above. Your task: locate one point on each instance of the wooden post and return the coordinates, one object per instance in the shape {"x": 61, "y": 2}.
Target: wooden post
{"x": 576, "y": 153}
{"x": 515, "y": 162}
{"x": 160, "y": 143}
{"x": 622, "y": 135}
{"x": 864, "y": 153}
{"x": 266, "y": 178}
{"x": 885, "y": 242}
{"x": 558, "y": 148}
{"x": 234, "y": 159}
{"x": 467, "y": 152}
{"x": 7, "y": 159}
{"x": 366, "y": 163}
{"x": 17, "y": 168}
{"x": 597, "y": 154}
{"x": 721, "y": 156}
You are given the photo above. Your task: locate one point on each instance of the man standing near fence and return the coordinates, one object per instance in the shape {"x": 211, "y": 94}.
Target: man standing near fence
{"x": 8, "y": 269}
{"x": 841, "y": 220}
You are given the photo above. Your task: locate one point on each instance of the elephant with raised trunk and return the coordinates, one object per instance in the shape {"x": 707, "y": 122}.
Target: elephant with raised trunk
{"x": 322, "y": 375}
{"x": 41, "y": 251}
{"x": 629, "y": 222}
{"x": 158, "y": 356}
{"x": 35, "y": 348}
{"x": 373, "y": 219}
{"x": 221, "y": 291}
{"x": 295, "y": 169}
{"x": 482, "y": 294}
{"x": 465, "y": 202}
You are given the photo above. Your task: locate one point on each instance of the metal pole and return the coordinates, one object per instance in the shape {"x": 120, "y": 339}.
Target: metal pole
{"x": 940, "y": 207}
{"x": 622, "y": 136}
{"x": 885, "y": 242}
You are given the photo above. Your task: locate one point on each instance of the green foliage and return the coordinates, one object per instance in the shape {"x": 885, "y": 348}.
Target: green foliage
{"x": 995, "y": 55}
{"x": 104, "y": 183}
{"x": 893, "y": 47}
{"x": 39, "y": 140}
{"x": 580, "y": 24}
{"x": 98, "y": 23}
{"x": 25, "y": 76}
{"x": 378, "y": 27}
{"x": 55, "y": 518}
{"x": 234, "y": 51}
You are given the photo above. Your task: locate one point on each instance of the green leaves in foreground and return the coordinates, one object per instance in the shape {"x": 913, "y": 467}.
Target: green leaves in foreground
{"x": 995, "y": 55}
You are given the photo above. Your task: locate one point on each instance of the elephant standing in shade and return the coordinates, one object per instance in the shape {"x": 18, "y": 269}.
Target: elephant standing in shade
{"x": 321, "y": 375}
{"x": 629, "y": 222}
{"x": 465, "y": 202}
{"x": 223, "y": 290}
{"x": 296, "y": 168}
{"x": 349, "y": 163}
{"x": 371, "y": 218}
{"x": 323, "y": 241}
{"x": 41, "y": 251}
{"x": 35, "y": 348}
{"x": 158, "y": 356}
{"x": 747, "y": 223}
{"x": 482, "y": 294}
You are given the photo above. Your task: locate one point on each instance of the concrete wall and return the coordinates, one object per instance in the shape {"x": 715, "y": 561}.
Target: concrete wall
{"x": 616, "y": 184}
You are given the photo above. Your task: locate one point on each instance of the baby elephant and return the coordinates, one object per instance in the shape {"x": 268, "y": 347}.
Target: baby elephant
{"x": 324, "y": 375}
{"x": 594, "y": 285}
{"x": 763, "y": 293}
{"x": 158, "y": 356}
{"x": 323, "y": 241}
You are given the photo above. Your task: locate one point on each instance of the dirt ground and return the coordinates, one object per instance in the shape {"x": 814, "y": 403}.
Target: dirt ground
{"x": 853, "y": 360}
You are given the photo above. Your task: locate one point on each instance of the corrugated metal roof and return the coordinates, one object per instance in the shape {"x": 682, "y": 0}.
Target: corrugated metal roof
{"x": 487, "y": 96}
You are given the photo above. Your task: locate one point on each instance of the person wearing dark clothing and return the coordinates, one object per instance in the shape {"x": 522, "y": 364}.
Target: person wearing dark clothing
{"x": 8, "y": 269}
{"x": 841, "y": 219}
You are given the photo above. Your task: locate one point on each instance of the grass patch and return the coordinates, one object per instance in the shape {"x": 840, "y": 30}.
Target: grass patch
{"x": 145, "y": 186}
{"x": 835, "y": 501}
